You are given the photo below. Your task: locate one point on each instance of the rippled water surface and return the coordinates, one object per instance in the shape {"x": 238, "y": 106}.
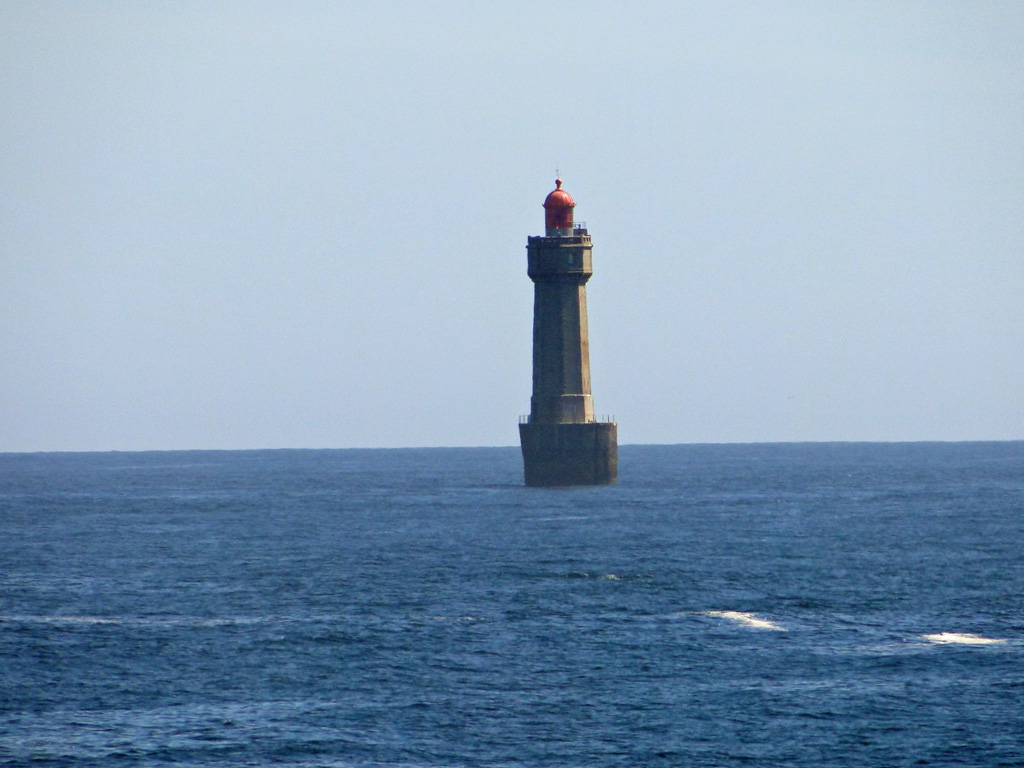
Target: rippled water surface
{"x": 797, "y": 605}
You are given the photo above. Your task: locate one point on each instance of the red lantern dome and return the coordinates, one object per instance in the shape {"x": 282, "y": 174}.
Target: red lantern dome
{"x": 558, "y": 209}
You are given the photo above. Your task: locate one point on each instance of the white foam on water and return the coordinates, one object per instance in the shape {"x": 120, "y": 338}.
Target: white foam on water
{"x": 962, "y": 638}
{"x": 746, "y": 619}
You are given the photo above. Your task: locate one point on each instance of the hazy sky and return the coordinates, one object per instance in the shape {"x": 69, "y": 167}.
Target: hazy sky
{"x": 261, "y": 225}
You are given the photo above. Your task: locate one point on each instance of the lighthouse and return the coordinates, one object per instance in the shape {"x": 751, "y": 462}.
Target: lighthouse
{"x": 562, "y": 442}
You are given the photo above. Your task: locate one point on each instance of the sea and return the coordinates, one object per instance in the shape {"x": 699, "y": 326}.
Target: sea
{"x": 821, "y": 604}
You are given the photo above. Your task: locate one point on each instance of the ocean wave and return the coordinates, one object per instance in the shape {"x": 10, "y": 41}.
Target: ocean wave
{"x": 746, "y": 619}
{"x": 962, "y": 638}
{"x": 136, "y": 621}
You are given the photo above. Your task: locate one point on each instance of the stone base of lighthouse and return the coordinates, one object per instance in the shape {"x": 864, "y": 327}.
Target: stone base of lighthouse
{"x": 570, "y": 454}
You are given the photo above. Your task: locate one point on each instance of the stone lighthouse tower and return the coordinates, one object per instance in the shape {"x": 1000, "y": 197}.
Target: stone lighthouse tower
{"x": 562, "y": 443}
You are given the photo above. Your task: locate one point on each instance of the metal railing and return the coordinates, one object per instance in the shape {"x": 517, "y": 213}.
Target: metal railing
{"x": 524, "y": 418}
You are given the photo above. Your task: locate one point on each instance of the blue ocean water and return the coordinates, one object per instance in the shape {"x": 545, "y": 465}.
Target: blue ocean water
{"x": 790, "y": 604}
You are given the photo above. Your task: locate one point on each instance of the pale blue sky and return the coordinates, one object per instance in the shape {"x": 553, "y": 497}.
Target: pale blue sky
{"x": 260, "y": 225}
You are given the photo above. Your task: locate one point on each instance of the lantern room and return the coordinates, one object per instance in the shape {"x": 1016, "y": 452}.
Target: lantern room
{"x": 558, "y": 211}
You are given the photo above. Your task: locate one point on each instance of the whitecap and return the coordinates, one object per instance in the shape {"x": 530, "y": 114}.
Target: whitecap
{"x": 961, "y": 638}
{"x": 746, "y": 619}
